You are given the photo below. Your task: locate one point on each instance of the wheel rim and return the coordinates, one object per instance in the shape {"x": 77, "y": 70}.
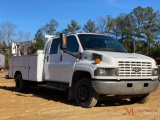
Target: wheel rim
{"x": 83, "y": 93}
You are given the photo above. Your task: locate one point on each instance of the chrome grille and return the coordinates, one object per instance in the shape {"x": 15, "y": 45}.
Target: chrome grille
{"x": 134, "y": 69}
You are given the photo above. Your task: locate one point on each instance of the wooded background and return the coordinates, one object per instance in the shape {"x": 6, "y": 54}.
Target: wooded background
{"x": 141, "y": 25}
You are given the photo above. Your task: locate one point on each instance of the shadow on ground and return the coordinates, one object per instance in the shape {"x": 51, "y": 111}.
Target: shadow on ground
{"x": 61, "y": 96}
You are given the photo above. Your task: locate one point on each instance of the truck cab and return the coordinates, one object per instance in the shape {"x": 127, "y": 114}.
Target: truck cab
{"x": 93, "y": 65}
{"x": 103, "y": 63}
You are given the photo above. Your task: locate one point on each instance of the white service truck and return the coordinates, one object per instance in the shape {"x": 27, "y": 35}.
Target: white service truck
{"x": 89, "y": 66}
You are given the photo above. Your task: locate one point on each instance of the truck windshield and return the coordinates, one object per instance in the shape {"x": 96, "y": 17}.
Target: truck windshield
{"x": 100, "y": 42}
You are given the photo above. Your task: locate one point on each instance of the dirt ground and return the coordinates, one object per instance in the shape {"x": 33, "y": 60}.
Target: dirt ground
{"x": 50, "y": 104}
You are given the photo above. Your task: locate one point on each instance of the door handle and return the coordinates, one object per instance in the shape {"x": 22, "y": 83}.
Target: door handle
{"x": 47, "y": 58}
{"x": 61, "y": 58}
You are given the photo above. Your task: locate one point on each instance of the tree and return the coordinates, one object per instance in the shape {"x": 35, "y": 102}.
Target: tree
{"x": 1, "y": 38}
{"x": 101, "y": 24}
{"x": 7, "y": 36}
{"x": 8, "y": 31}
{"x": 39, "y": 40}
{"x": 73, "y": 27}
{"x": 156, "y": 31}
{"x": 39, "y": 45}
{"x": 50, "y": 27}
{"x": 123, "y": 29}
{"x": 105, "y": 25}
{"x": 144, "y": 21}
{"x": 27, "y": 36}
{"x": 20, "y": 36}
{"x": 66, "y": 31}
{"x": 89, "y": 27}
{"x": 3, "y": 47}
{"x": 110, "y": 25}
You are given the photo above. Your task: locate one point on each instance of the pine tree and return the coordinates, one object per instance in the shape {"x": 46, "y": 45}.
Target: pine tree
{"x": 89, "y": 27}
{"x": 73, "y": 27}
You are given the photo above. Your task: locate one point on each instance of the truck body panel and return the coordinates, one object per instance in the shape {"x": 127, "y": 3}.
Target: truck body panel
{"x": 31, "y": 67}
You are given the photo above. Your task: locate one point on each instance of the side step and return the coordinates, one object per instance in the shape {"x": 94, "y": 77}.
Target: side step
{"x": 56, "y": 86}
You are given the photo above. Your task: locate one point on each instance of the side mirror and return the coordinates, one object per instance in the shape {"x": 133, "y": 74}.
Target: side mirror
{"x": 63, "y": 41}
{"x": 63, "y": 46}
{"x": 132, "y": 46}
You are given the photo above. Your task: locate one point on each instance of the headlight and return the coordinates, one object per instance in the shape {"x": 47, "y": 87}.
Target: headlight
{"x": 105, "y": 72}
{"x": 154, "y": 72}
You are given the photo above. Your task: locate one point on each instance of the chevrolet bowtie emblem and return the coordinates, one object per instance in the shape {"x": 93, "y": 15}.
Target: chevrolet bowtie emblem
{"x": 136, "y": 69}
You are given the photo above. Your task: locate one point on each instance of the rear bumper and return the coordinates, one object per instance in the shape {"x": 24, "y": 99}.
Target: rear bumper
{"x": 125, "y": 87}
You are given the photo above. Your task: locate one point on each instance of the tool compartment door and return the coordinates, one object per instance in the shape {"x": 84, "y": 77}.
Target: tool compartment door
{"x": 35, "y": 68}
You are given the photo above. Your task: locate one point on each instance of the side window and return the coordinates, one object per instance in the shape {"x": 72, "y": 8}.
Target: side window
{"x": 72, "y": 44}
{"x": 54, "y": 46}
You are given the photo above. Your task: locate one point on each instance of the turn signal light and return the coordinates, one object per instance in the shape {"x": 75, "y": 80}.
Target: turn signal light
{"x": 97, "y": 58}
{"x": 97, "y": 61}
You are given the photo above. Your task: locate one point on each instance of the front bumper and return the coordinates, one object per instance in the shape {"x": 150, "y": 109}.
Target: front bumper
{"x": 125, "y": 87}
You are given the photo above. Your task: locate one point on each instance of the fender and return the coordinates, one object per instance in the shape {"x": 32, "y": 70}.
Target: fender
{"x": 84, "y": 68}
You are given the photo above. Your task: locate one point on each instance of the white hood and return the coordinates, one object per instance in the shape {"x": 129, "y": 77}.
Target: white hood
{"x": 119, "y": 55}
{"x": 113, "y": 57}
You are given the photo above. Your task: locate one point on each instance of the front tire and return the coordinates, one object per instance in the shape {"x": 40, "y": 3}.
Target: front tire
{"x": 85, "y": 95}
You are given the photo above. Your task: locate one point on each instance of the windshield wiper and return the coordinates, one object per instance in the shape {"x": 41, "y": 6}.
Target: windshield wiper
{"x": 103, "y": 49}
{"x": 119, "y": 51}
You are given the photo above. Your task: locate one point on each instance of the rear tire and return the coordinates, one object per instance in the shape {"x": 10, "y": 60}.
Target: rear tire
{"x": 20, "y": 84}
{"x": 85, "y": 95}
{"x": 143, "y": 99}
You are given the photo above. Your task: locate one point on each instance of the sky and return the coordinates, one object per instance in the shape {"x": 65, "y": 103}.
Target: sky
{"x": 30, "y": 15}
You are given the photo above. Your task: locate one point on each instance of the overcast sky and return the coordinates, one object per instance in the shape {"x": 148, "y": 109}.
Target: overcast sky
{"x": 30, "y": 15}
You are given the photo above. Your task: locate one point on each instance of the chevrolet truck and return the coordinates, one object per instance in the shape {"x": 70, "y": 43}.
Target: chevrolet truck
{"x": 89, "y": 66}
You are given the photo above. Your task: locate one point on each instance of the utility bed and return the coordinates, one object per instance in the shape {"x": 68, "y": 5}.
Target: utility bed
{"x": 31, "y": 67}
